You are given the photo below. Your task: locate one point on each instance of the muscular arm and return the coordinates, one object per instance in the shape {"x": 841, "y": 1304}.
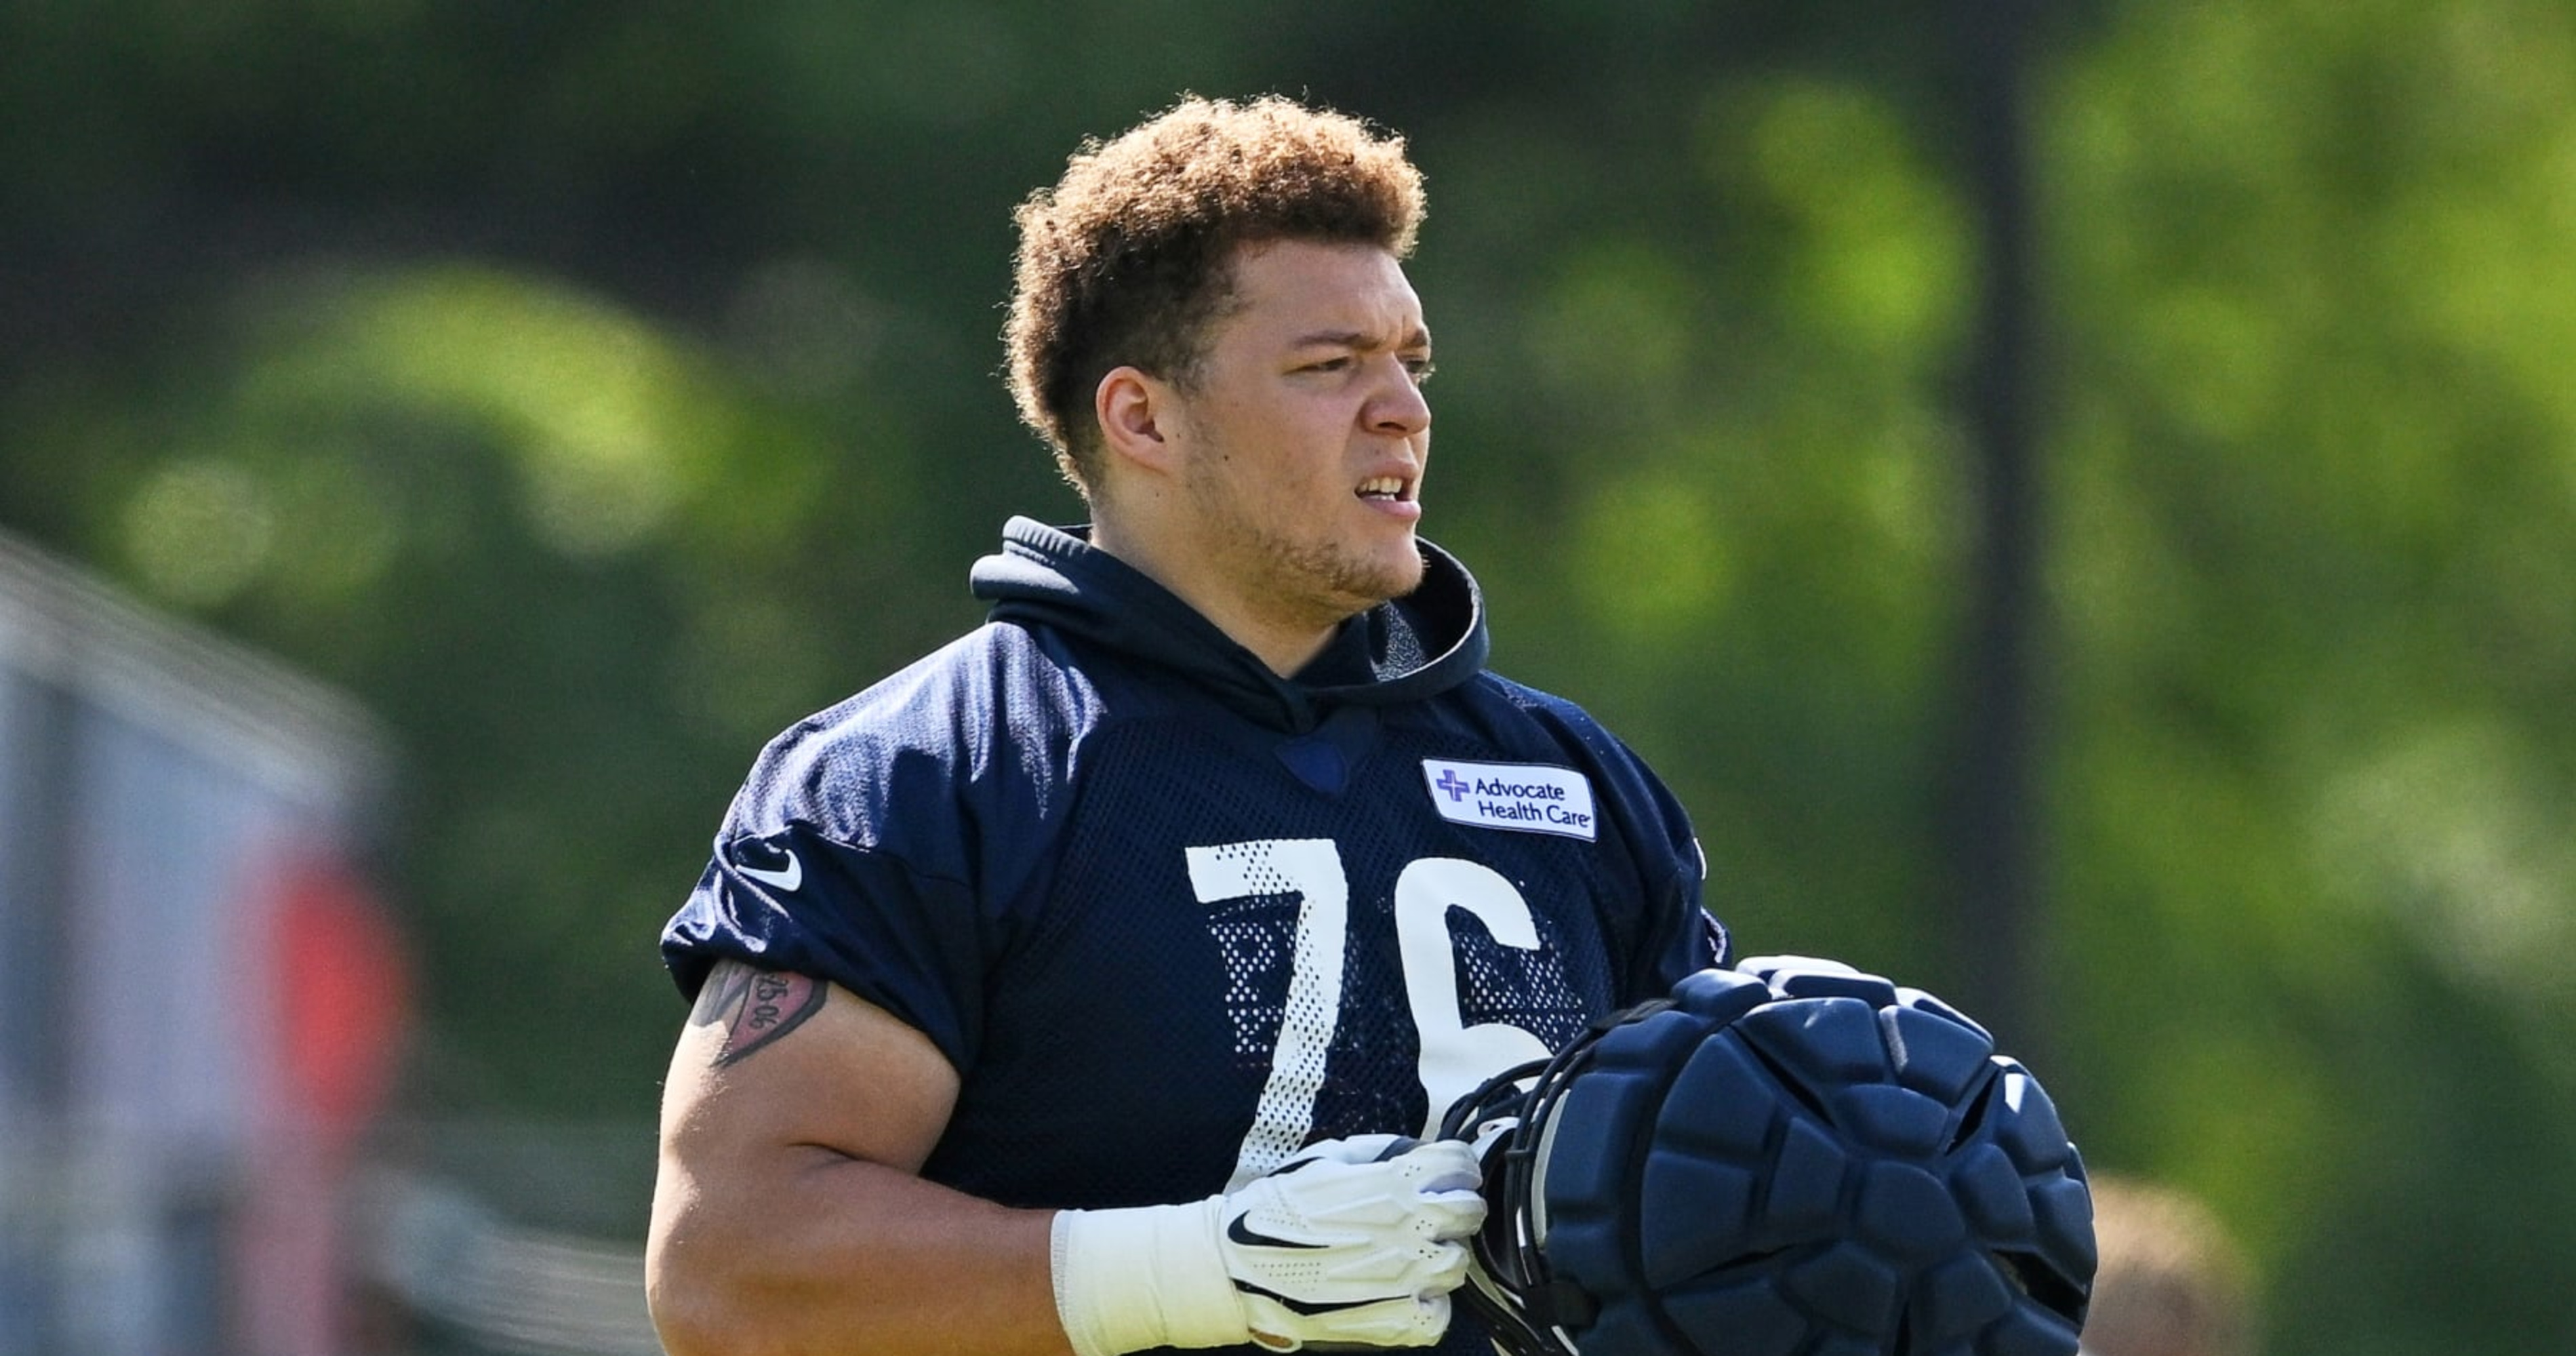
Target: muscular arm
{"x": 787, "y": 1217}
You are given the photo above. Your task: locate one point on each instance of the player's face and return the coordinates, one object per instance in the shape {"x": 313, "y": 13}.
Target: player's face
{"x": 1307, "y": 433}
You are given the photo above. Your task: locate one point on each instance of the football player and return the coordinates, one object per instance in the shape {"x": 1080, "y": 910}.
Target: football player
{"x": 1098, "y": 982}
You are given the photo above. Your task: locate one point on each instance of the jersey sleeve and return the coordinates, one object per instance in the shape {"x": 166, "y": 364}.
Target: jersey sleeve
{"x": 797, "y": 900}
{"x": 1678, "y": 935}
{"x": 894, "y": 844}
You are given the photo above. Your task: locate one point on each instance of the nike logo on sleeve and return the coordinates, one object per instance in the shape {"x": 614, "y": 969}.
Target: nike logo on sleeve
{"x": 785, "y": 878}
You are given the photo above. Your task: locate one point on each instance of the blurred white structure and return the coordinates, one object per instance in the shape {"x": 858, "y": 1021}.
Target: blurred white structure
{"x": 504, "y": 1286}
{"x": 201, "y": 1001}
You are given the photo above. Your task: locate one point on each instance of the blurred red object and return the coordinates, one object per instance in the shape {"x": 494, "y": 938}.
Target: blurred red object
{"x": 344, "y": 997}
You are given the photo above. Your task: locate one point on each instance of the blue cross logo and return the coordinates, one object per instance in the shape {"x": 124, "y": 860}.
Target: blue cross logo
{"x": 1449, "y": 782}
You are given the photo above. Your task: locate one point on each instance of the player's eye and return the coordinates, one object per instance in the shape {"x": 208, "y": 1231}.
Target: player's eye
{"x": 1420, "y": 369}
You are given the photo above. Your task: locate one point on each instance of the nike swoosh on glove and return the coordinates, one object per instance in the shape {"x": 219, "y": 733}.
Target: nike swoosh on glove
{"x": 1354, "y": 1241}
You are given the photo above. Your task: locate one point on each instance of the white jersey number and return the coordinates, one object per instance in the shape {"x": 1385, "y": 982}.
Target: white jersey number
{"x": 1455, "y": 1057}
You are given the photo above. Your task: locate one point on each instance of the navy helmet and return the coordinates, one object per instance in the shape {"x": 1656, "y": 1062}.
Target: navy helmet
{"x": 1789, "y": 1158}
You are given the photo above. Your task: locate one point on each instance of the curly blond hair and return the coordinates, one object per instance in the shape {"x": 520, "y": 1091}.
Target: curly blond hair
{"x": 1127, "y": 260}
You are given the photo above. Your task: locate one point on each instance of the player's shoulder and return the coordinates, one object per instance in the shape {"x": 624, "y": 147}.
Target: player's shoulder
{"x": 990, "y": 715}
{"x": 1522, "y": 712}
{"x": 953, "y": 695}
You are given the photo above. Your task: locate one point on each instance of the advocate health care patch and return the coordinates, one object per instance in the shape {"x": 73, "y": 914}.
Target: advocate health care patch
{"x": 1528, "y": 797}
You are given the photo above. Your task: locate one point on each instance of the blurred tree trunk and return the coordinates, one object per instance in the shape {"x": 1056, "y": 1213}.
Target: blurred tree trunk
{"x": 1991, "y": 796}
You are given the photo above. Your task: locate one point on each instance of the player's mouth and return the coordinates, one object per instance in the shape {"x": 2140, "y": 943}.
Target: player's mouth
{"x": 1391, "y": 495}
{"x": 1397, "y": 488}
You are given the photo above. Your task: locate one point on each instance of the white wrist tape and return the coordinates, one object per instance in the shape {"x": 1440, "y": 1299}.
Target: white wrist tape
{"x": 1130, "y": 1280}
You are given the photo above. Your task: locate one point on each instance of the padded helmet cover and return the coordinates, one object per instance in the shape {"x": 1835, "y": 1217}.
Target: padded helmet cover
{"x": 1790, "y": 1158}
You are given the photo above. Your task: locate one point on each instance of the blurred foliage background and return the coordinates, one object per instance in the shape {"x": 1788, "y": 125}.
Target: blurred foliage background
{"x": 595, "y": 388}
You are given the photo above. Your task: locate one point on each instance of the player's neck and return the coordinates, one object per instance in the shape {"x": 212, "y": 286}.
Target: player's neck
{"x": 1283, "y": 644}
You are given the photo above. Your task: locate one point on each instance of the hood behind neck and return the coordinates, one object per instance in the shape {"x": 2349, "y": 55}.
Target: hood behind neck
{"x": 1424, "y": 643}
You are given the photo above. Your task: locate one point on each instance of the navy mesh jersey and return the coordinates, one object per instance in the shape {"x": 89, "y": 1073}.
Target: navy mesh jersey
{"x": 1172, "y": 917}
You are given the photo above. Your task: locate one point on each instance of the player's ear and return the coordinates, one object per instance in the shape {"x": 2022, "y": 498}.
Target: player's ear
{"x": 1135, "y": 413}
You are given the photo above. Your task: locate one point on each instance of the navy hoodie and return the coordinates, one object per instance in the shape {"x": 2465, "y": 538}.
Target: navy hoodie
{"x": 1172, "y": 916}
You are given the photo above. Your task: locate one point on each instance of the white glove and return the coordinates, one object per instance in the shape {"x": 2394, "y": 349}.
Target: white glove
{"x": 1352, "y": 1241}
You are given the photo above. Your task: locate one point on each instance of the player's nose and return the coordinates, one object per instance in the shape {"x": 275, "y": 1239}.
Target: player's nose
{"x": 1396, "y": 406}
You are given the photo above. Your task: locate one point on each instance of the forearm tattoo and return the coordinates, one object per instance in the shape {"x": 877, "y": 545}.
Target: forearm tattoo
{"x": 754, "y": 1007}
